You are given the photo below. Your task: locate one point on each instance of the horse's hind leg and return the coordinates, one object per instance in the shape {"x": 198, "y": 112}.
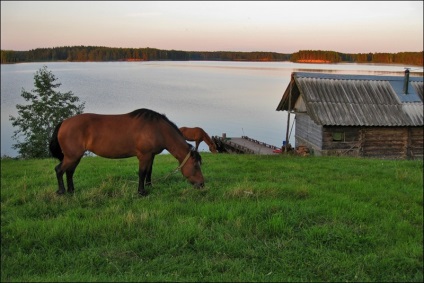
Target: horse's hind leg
{"x": 68, "y": 167}
{"x": 69, "y": 176}
{"x": 59, "y": 176}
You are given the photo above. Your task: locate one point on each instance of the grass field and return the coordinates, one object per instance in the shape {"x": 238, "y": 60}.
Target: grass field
{"x": 259, "y": 218}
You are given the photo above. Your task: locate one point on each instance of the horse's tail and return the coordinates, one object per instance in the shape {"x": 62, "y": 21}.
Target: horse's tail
{"x": 54, "y": 146}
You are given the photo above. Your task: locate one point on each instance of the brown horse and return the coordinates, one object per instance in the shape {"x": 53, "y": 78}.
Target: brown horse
{"x": 198, "y": 135}
{"x": 142, "y": 133}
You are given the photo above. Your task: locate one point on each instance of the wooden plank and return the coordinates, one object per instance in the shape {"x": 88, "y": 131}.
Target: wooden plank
{"x": 243, "y": 145}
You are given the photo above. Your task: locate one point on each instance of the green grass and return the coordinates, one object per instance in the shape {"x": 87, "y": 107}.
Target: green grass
{"x": 259, "y": 218}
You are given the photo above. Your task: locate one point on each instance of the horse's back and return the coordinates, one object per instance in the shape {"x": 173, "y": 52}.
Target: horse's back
{"x": 106, "y": 135}
{"x": 192, "y": 134}
{"x": 89, "y": 123}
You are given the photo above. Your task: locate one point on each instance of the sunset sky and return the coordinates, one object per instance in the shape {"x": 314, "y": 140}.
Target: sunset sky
{"x": 276, "y": 26}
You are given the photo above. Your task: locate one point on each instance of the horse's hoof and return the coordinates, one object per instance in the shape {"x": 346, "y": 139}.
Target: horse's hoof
{"x": 143, "y": 193}
{"x": 60, "y": 192}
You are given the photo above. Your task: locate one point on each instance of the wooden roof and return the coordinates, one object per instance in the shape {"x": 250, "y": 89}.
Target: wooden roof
{"x": 355, "y": 100}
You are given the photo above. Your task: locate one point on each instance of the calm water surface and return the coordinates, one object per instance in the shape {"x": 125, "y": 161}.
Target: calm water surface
{"x": 236, "y": 98}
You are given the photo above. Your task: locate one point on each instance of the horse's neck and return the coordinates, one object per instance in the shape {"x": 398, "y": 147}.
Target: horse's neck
{"x": 207, "y": 139}
{"x": 177, "y": 146}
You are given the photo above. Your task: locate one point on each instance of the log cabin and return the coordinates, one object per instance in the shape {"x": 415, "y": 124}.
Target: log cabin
{"x": 357, "y": 115}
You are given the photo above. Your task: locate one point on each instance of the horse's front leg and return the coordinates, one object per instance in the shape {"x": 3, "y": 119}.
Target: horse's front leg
{"x": 149, "y": 173}
{"x": 145, "y": 162}
{"x": 141, "y": 177}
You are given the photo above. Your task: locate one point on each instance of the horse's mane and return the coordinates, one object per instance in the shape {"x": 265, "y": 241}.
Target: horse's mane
{"x": 151, "y": 115}
{"x": 147, "y": 114}
{"x": 195, "y": 154}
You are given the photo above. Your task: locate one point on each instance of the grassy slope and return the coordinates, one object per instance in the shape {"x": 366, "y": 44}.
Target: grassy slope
{"x": 260, "y": 218}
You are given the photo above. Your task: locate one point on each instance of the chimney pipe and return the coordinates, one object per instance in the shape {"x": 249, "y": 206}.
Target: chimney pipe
{"x": 406, "y": 81}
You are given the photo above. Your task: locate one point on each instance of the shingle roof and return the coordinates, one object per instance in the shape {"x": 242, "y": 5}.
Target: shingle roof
{"x": 357, "y": 100}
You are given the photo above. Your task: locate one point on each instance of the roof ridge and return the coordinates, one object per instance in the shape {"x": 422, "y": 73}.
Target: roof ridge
{"x": 322, "y": 75}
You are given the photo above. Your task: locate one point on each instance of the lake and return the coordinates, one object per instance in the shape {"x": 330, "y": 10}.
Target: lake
{"x": 235, "y": 98}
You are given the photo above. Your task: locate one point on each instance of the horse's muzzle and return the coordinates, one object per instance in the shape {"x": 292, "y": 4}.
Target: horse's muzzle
{"x": 199, "y": 185}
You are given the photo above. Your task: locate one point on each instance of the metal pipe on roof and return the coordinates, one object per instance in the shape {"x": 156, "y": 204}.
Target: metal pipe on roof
{"x": 406, "y": 81}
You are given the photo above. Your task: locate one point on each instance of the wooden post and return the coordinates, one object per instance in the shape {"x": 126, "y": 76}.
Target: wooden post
{"x": 288, "y": 115}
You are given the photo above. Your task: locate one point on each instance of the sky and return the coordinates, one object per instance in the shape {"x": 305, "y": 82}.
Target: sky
{"x": 274, "y": 26}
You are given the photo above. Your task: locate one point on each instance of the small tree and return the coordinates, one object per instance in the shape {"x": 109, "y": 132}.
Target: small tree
{"x": 38, "y": 118}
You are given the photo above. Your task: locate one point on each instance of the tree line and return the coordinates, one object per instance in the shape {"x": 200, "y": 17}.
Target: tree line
{"x": 100, "y": 54}
{"x": 408, "y": 58}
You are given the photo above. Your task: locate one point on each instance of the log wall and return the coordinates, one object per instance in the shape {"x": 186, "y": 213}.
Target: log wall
{"x": 384, "y": 142}
{"x": 378, "y": 142}
{"x": 416, "y": 143}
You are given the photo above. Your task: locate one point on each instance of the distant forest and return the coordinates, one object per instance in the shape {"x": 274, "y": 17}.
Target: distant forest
{"x": 100, "y": 54}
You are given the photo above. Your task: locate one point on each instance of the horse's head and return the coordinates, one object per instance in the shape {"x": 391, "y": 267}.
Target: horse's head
{"x": 212, "y": 148}
{"x": 191, "y": 169}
